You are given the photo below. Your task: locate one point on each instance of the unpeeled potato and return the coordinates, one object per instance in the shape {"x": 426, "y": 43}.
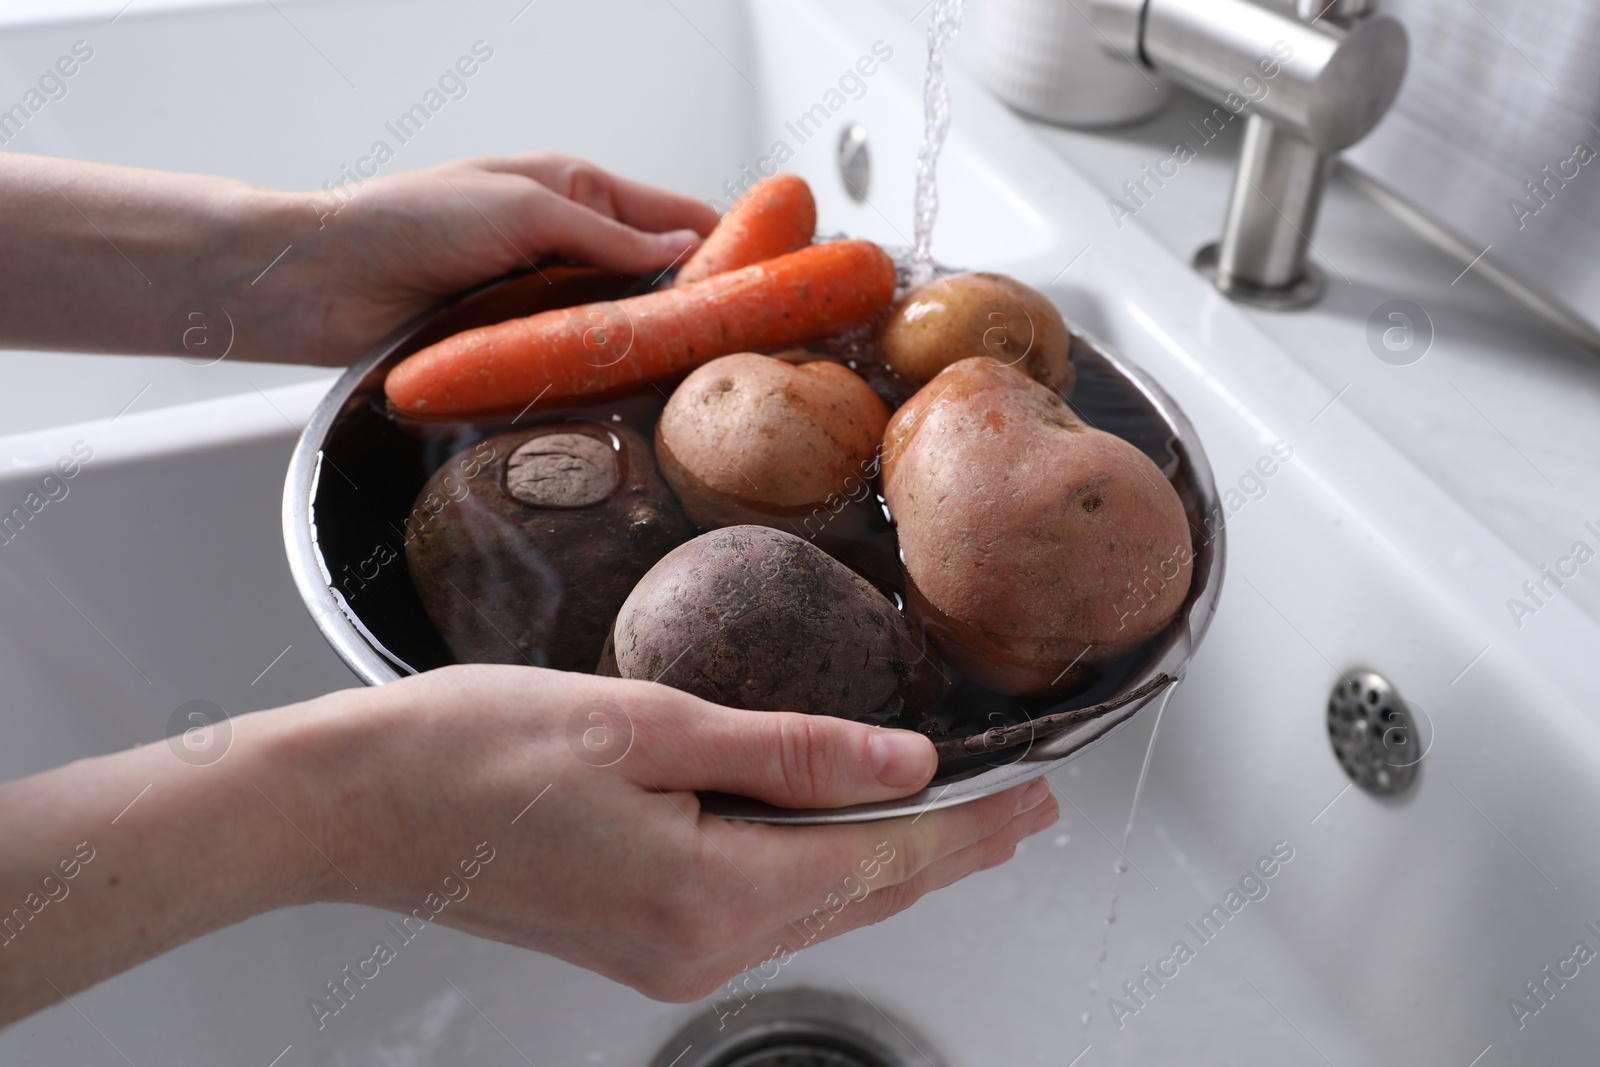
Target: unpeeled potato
{"x": 964, "y": 315}
{"x": 1035, "y": 546}
{"x": 752, "y": 439}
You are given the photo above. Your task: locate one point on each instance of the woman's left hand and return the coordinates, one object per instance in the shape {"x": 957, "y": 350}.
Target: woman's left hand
{"x": 97, "y": 258}
{"x": 396, "y": 245}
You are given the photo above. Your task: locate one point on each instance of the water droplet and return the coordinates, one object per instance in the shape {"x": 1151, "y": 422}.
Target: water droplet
{"x": 1094, "y": 986}
{"x": 1063, "y": 840}
{"x": 1120, "y": 867}
{"x": 1086, "y": 1020}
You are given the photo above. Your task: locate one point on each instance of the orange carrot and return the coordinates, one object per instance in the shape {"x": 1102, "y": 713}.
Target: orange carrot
{"x": 776, "y": 216}
{"x": 556, "y": 356}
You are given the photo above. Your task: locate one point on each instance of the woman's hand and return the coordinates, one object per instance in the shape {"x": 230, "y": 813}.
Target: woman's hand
{"x": 393, "y": 247}
{"x": 550, "y": 810}
{"x": 97, "y": 258}
{"x": 613, "y": 866}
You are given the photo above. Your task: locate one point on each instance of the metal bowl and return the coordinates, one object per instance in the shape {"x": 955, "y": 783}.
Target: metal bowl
{"x": 356, "y": 471}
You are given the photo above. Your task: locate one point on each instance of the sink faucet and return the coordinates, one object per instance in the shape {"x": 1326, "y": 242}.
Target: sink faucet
{"x": 1311, "y": 86}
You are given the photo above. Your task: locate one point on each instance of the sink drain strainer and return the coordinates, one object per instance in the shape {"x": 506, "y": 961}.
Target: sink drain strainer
{"x": 792, "y": 1055}
{"x": 796, "y": 1028}
{"x": 1373, "y": 734}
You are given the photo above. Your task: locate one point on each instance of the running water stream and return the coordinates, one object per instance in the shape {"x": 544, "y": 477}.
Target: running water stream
{"x": 943, "y": 21}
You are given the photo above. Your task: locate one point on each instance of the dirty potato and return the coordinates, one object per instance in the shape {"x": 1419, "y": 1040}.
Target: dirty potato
{"x": 752, "y": 439}
{"x": 964, "y": 315}
{"x": 1035, "y": 546}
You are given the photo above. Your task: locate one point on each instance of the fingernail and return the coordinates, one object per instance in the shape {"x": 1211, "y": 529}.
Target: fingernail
{"x": 678, "y": 240}
{"x": 1044, "y": 820}
{"x": 899, "y": 758}
{"x": 1032, "y": 796}
{"x": 995, "y": 861}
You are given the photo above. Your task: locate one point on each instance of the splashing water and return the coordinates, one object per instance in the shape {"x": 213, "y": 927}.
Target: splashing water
{"x": 1120, "y": 868}
{"x": 943, "y": 22}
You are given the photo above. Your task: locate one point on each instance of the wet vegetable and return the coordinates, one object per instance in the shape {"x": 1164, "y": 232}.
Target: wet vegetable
{"x": 964, "y": 315}
{"x": 757, "y": 618}
{"x": 1035, "y": 546}
{"x": 530, "y": 562}
{"x": 752, "y": 439}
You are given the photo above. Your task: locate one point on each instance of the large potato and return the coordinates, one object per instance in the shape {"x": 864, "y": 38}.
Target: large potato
{"x": 752, "y": 439}
{"x": 533, "y": 554}
{"x": 964, "y": 315}
{"x": 1036, "y": 546}
{"x": 753, "y": 617}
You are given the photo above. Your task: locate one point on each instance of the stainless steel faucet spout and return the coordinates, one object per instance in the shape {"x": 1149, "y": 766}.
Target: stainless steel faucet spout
{"x": 1310, "y": 87}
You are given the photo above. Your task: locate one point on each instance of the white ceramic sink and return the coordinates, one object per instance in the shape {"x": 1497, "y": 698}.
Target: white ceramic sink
{"x": 1395, "y": 934}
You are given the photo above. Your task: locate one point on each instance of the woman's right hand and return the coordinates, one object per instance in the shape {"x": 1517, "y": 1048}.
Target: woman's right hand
{"x": 582, "y": 789}
{"x": 549, "y": 810}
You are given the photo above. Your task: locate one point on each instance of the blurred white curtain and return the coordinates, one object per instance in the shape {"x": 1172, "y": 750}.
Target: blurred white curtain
{"x": 1497, "y": 92}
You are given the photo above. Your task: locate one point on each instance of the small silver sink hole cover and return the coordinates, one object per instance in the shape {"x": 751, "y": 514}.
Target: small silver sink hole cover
{"x": 1373, "y": 733}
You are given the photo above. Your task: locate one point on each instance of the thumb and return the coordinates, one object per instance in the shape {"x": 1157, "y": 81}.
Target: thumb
{"x": 783, "y": 758}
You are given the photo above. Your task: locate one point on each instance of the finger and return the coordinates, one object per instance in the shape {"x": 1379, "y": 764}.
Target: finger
{"x": 646, "y": 206}
{"x": 635, "y": 203}
{"x": 800, "y": 866}
{"x": 995, "y": 861}
{"x": 964, "y": 861}
{"x": 981, "y": 855}
{"x": 553, "y": 224}
{"x": 990, "y": 852}
{"x": 841, "y": 914}
{"x": 784, "y": 758}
